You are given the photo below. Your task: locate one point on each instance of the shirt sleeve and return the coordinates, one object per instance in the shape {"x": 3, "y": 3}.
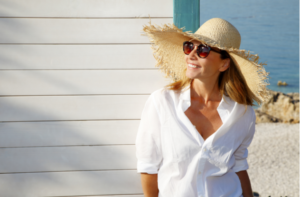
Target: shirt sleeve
{"x": 241, "y": 153}
{"x": 148, "y": 143}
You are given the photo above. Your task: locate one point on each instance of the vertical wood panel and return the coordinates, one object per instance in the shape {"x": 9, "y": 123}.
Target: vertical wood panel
{"x": 187, "y": 14}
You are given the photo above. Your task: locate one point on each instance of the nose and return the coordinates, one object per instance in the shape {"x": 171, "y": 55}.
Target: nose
{"x": 193, "y": 53}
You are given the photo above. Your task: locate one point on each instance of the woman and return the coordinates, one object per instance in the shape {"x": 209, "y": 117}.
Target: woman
{"x": 194, "y": 133}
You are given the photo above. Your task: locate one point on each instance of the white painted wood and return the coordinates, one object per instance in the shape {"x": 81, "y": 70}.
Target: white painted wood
{"x": 71, "y": 183}
{"x": 76, "y": 138}
{"x": 86, "y": 8}
{"x": 92, "y": 31}
{"x": 76, "y": 56}
{"x": 73, "y": 158}
{"x": 30, "y": 108}
{"x": 112, "y": 196}
{"x": 68, "y": 133}
{"x": 68, "y": 82}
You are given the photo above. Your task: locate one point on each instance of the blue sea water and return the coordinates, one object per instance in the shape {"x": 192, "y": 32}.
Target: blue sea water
{"x": 269, "y": 28}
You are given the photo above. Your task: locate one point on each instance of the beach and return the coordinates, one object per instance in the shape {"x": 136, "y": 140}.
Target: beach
{"x": 273, "y": 159}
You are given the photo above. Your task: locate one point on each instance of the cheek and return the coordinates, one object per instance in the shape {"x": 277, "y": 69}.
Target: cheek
{"x": 186, "y": 58}
{"x": 214, "y": 63}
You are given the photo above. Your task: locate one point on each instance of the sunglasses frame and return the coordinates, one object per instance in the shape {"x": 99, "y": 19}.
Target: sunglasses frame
{"x": 198, "y": 49}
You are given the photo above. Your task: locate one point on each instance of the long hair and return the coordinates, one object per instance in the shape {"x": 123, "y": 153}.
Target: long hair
{"x": 231, "y": 83}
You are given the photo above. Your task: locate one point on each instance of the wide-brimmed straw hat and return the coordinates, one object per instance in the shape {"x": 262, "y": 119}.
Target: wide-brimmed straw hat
{"x": 167, "y": 42}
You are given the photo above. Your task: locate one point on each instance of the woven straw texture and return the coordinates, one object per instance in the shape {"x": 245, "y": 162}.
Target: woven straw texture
{"x": 167, "y": 49}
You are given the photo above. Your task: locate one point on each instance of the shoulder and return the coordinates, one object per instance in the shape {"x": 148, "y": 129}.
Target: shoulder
{"x": 162, "y": 94}
{"x": 250, "y": 111}
{"x": 247, "y": 111}
{"x": 248, "y": 114}
{"x": 164, "y": 97}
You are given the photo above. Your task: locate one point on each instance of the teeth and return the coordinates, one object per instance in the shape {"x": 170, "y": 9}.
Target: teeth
{"x": 193, "y": 66}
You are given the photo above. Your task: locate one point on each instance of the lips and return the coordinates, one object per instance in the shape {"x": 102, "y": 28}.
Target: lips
{"x": 193, "y": 66}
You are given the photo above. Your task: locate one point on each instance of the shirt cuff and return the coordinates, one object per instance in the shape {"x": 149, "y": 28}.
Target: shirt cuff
{"x": 241, "y": 165}
{"x": 146, "y": 167}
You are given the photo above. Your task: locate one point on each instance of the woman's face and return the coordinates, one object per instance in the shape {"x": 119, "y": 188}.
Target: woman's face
{"x": 206, "y": 68}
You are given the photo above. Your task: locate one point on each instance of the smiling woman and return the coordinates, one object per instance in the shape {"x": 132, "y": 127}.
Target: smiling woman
{"x": 194, "y": 133}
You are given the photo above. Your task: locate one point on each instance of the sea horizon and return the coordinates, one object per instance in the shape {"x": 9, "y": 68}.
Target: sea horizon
{"x": 269, "y": 28}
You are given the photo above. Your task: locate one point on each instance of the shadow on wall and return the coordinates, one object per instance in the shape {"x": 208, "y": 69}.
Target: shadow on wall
{"x": 49, "y": 156}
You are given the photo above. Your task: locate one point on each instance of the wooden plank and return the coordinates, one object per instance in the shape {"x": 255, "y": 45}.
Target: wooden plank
{"x": 187, "y": 14}
{"x": 113, "y": 196}
{"x": 67, "y": 133}
{"x": 86, "y": 8}
{"x": 136, "y": 195}
{"x": 41, "y": 108}
{"x": 78, "y": 82}
{"x": 125, "y": 182}
{"x": 53, "y": 159}
{"x": 87, "y": 31}
{"x": 76, "y": 56}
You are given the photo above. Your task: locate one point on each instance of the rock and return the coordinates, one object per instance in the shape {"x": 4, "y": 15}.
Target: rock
{"x": 279, "y": 108}
{"x": 284, "y": 83}
{"x": 280, "y": 83}
{"x": 263, "y": 117}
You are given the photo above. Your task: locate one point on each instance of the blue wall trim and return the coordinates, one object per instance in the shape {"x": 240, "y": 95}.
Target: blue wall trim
{"x": 186, "y": 13}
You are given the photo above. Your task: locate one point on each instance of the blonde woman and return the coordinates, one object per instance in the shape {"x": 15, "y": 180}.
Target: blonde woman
{"x": 194, "y": 133}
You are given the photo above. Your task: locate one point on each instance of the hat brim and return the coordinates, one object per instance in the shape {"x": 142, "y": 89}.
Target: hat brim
{"x": 167, "y": 50}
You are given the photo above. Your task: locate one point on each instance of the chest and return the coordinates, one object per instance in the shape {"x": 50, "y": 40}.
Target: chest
{"x": 206, "y": 120}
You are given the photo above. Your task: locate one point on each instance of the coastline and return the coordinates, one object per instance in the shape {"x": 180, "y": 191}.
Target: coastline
{"x": 280, "y": 107}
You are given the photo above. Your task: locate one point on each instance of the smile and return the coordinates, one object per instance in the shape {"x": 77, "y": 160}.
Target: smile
{"x": 193, "y": 66}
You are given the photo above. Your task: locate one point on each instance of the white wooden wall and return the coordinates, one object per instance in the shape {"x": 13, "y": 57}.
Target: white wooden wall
{"x": 74, "y": 78}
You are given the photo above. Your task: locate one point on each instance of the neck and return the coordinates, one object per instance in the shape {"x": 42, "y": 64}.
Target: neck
{"x": 205, "y": 92}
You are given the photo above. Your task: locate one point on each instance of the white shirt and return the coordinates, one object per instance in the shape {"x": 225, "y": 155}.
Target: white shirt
{"x": 169, "y": 145}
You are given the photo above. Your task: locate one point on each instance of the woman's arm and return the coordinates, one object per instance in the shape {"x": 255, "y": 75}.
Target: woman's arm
{"x": 245, "y": 182}
{"x": 149, "y": 184}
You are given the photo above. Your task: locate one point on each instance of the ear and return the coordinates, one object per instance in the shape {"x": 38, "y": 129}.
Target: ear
{"x": 225, "y": 66}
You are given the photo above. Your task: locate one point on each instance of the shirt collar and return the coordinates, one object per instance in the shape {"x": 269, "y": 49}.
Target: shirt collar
{"x": 226, "y": 104}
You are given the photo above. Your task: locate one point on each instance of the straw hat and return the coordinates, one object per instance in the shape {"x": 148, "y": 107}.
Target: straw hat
{"x": 167, "y": 47}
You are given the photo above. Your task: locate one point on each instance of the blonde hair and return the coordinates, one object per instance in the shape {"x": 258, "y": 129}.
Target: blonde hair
{"x": 231, "y": 83}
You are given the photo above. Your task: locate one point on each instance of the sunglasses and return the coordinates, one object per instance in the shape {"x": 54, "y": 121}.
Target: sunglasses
{"x": 202, "y": 50}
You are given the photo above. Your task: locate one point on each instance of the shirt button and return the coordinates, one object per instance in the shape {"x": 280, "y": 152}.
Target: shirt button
{"x": 204, "y": 149}
{"x": 199, "y": 173}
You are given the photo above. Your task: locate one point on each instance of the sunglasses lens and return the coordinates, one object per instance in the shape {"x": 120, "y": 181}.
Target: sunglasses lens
{"x": 188, "y": 47}
{"x": 203, "y": 51}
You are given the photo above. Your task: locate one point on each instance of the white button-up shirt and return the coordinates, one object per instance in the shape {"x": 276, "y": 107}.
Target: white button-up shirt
{"x": 169, "y": 145}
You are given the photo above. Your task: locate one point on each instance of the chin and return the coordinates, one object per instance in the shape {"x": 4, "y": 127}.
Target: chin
{"x": 191, "y": 76}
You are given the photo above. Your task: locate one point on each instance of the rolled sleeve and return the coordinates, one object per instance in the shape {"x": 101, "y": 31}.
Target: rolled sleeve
{"x": 241, "y": 153}
{"x": 148, "y": 143}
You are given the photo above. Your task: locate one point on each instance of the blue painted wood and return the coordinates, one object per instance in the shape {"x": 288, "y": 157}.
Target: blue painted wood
{"x": 186, "y": 13}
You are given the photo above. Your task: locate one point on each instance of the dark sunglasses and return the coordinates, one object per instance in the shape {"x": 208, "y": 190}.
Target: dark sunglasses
{"x": 202, "y": 50}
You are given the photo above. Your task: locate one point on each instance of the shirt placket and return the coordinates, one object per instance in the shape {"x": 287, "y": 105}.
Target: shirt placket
{"x": 199, "y": 139}
{"x": 200, "y": 175}
{"x": 187, "y": 123}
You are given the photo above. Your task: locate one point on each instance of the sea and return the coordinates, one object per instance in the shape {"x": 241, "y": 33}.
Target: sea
{"x": 269, "y": 28}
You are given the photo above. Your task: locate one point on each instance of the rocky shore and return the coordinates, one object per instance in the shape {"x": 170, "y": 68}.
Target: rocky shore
{"x": 274, "y": 152}
{"x": 280, "y": 107}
